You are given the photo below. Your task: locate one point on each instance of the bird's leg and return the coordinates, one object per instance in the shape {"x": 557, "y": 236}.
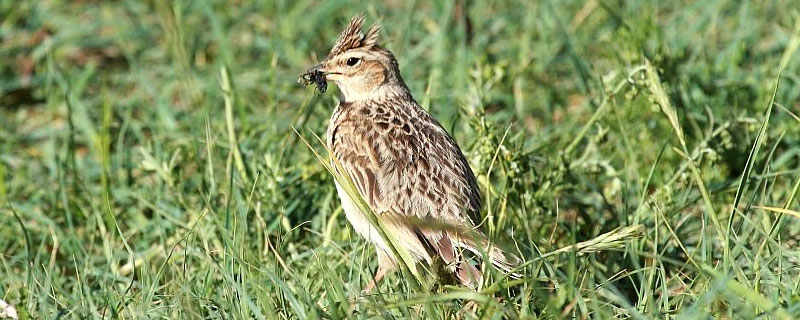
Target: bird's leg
{"x": 385, "y": 264}
{"x": 372, "y": 283}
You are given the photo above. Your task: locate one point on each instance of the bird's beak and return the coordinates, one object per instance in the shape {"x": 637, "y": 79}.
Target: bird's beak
{"x": 315, "y": 69}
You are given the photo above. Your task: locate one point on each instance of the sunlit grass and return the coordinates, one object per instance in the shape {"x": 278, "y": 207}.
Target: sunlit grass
{"x": 158, "y": 160}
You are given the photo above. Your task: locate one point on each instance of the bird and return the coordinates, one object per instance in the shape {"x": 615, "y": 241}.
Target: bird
{"x": 403, "y": 163}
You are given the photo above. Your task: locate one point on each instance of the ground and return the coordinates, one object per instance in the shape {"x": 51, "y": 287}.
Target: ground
{"x": 642, "y": 156}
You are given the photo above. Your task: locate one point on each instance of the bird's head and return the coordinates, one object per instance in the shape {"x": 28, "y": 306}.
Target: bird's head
{"x": 357, "y": 64}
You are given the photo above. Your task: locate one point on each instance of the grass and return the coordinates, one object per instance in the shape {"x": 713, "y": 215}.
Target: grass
{"x": 642, "y": 156}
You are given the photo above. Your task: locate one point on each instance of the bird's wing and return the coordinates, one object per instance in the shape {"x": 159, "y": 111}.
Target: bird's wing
{"x": 407, "y": 168}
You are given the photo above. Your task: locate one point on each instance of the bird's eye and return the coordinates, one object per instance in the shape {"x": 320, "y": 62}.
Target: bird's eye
{"x": 352, "y": 62}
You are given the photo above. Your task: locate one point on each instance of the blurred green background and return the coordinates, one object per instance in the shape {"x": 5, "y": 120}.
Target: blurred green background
{"x": 149, "y": 166}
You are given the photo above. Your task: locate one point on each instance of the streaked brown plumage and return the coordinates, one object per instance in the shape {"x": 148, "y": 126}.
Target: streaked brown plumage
{"x": 401, "y": 160}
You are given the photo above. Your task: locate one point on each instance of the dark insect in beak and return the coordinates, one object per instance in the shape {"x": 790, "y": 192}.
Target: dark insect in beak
{"x": 315, "y": 76}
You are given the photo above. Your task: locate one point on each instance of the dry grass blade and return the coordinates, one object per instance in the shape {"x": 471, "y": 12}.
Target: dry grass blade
{"x": 614, "y": 239}
{"x": 654, "y": 83}
{"x": 660, "y": 95}
{"x": 793, "y": 213}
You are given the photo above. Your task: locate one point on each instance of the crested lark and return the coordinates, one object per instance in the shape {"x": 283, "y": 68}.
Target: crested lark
{"x": 401, "y": 160}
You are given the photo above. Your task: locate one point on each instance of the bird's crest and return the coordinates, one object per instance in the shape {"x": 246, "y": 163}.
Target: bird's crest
{"x": 352, "y": 37}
